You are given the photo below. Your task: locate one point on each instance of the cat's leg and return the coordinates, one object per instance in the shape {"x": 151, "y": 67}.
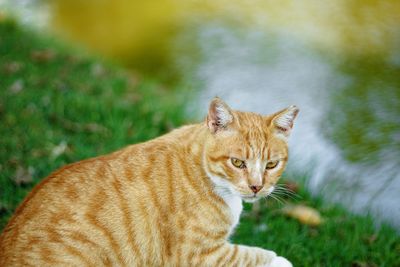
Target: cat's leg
{"x": 238, "y": 255}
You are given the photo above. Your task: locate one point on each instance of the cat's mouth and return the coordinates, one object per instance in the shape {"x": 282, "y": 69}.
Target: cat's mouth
{"x": 251, "y": 197}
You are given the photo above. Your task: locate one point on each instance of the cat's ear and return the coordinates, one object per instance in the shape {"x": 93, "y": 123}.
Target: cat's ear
{"x": 282, "y": 121}
{"x": 219, "y": 115}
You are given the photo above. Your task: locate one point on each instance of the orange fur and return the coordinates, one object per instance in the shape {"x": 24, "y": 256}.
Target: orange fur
{"x": 152, "y": 204}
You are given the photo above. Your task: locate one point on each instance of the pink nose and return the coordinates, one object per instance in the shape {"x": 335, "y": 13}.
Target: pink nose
{"x": 255, "y": 188}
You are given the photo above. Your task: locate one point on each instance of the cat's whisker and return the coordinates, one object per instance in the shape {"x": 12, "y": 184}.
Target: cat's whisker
{"x": 276, "y": 198}
{"x": 284, "y": 187}
{"x": 282, "y": 194}
{"x": 286, "y": 192}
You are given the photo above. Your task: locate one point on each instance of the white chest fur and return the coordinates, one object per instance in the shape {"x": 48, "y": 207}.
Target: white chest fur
{"x": 234, "y": 202}
{"x": 235, "y": 205}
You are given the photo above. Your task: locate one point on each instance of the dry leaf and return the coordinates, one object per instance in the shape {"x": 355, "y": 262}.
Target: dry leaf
{"x": 43, "y": 55}
{"x": 23, "y": 176}
{"x": 305, "y": 215}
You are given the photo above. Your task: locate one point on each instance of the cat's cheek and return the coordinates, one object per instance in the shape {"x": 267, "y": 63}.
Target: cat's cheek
{"x": 273, "y": 176}
{"x": 242, "y": 183}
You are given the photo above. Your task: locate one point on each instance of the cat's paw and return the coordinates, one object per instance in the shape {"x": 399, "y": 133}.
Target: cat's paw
{"x": 280, "y": 262}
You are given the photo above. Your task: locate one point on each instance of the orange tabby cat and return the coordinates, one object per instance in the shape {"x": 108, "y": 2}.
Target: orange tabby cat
{"x": 172, "y": 201}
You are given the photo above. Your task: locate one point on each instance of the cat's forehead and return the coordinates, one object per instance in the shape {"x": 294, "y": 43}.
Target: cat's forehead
{"x": 250, "y": 121}
{"x": 253, "y": 138}
{"x": 256, "y": 148}
{"x": 252, "y": 127}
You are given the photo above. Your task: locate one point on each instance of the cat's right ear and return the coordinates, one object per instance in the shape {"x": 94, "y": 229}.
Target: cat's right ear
{"x": 219, "y": 115}
{"x": 282, "y": 121}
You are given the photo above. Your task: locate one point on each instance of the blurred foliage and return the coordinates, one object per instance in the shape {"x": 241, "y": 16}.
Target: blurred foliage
{"x": 141, "y": 33}
{"x": 363, "y": 119}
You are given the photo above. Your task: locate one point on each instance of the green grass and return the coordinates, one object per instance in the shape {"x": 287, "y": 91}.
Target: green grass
{"x": 63, "y": 98}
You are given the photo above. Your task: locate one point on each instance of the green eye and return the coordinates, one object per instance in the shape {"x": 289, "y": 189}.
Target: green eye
{"x": 272, "y": 164}
{"x": 238, "y": 163}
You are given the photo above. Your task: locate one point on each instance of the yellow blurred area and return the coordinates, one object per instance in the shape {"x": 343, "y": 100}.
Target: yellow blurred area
{"x": 124, "y": 29}
{"x": 131, "y": 29}
{"x": 349, "y": 26}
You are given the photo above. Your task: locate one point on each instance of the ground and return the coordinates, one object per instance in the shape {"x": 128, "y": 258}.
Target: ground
{"x": 59, "y": 105}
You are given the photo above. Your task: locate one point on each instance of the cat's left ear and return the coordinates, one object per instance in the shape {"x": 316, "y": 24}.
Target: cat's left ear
{"x": 282, "y": 121}
{"x": 219, "y": 115}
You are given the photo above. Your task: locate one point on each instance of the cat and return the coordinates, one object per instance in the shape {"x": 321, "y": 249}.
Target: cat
{"x": 171, "y": 201}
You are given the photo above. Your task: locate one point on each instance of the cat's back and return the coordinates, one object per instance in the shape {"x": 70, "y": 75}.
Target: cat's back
{"x": 58, "y": 203}
{"x": 82, "y": 207}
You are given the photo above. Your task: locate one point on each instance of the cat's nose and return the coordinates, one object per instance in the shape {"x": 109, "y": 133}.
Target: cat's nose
{"x": 255, "y": 188}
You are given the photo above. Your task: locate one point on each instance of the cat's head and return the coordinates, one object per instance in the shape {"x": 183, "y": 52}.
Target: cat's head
{"x": 246, "y": 153}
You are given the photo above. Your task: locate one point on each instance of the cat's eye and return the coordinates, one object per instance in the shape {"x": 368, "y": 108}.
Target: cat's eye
{"x": 238, "y": 163}
{"x": 272, "y": 164}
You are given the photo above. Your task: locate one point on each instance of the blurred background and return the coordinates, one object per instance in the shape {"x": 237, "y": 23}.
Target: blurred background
{"x": 339, "y": 61}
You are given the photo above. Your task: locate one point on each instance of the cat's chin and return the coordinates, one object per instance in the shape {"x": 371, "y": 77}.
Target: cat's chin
{"x": 250, "y": 199}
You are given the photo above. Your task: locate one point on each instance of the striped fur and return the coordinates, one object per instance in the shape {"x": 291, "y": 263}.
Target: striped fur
{"x": 159, "y": 203}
